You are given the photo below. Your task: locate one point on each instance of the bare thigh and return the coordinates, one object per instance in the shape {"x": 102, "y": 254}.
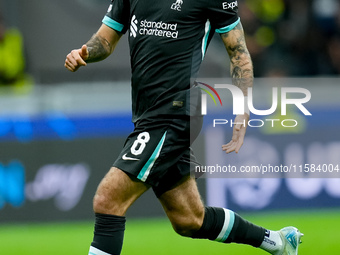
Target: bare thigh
{"x": 117, "y": 192}
{"x": 184, "y": 207}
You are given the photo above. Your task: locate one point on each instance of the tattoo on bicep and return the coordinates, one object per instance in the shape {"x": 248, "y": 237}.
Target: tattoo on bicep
{"x": 99, "y": 48}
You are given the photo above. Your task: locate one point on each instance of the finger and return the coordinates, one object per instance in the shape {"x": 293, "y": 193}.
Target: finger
{"x": 229, "y": 148}
{"x": 77, "y": 59}
{"x": 238, "y": 147}
{"x": 84, "y": 52}
{"x": 226, "y": 146}
{"x": 71, "y": 60}
{"x": 68, "y": 63}
{"x": 235, "y": 144}
{"x": 231, "y": 145}
{"x": 69, "y": 66}
{"x": 239, "y": 144}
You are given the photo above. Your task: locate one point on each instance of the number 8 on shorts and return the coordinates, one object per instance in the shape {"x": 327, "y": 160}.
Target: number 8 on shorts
{"x": 140, "y": 143}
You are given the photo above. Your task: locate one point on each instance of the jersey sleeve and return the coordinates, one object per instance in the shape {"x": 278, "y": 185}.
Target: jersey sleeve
{"x": 117, "y": 16}
{"x": 223, "y": 15}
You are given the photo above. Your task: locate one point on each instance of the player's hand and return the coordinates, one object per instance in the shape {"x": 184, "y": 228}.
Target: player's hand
{"x": 76, "y": 58}
{"x": 239, "y": 132}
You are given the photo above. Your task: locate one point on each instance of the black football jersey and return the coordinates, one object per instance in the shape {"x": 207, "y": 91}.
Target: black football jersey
{"x": 168, "y": 40}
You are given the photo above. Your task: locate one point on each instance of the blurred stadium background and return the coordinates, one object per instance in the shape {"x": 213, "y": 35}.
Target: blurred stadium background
{"x": 61, "y": 131}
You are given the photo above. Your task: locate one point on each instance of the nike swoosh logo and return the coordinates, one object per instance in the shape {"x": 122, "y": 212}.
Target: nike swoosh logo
{"x": 124, "y": 157}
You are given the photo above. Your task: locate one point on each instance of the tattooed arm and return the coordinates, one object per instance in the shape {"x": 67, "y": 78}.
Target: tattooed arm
{"x": 241, "y": 69}
{"x": 241, "y": 66}
{"x": 99, "y": 47}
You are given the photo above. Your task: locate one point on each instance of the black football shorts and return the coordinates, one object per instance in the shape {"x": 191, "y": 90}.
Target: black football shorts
{"x": 158, "y": 151}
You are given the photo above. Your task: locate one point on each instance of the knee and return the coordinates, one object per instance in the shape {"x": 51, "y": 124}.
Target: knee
{"x": 187, "y": 226}
{"x": 110, "y": 204}
{"x": 100, "y": 204}
{"x": 103, "y": 204}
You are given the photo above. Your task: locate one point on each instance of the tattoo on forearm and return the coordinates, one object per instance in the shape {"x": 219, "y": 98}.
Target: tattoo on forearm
{"x": 99, "y": 48}
{"x": 241, "y": 65}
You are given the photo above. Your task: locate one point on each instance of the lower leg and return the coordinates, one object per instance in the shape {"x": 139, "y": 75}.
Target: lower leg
{"x": 184, "y": 207}
{"x": 115, "y": 194}
{"x": 190, "y": 218}
{"x": 225, "y": 226}
{"x": 108, "y": 235}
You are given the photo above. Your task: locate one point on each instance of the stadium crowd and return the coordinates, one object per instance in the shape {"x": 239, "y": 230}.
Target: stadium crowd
{"x": 293, "y": 38}
{"x": 284, "y": 37}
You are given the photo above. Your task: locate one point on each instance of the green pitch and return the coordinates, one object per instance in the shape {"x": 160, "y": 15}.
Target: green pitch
{"x": 156, "y": 237}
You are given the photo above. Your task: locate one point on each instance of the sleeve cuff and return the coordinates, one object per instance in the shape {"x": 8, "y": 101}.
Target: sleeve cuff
{"x": 226, "y": 29}
{"x": 113, "y": 24}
